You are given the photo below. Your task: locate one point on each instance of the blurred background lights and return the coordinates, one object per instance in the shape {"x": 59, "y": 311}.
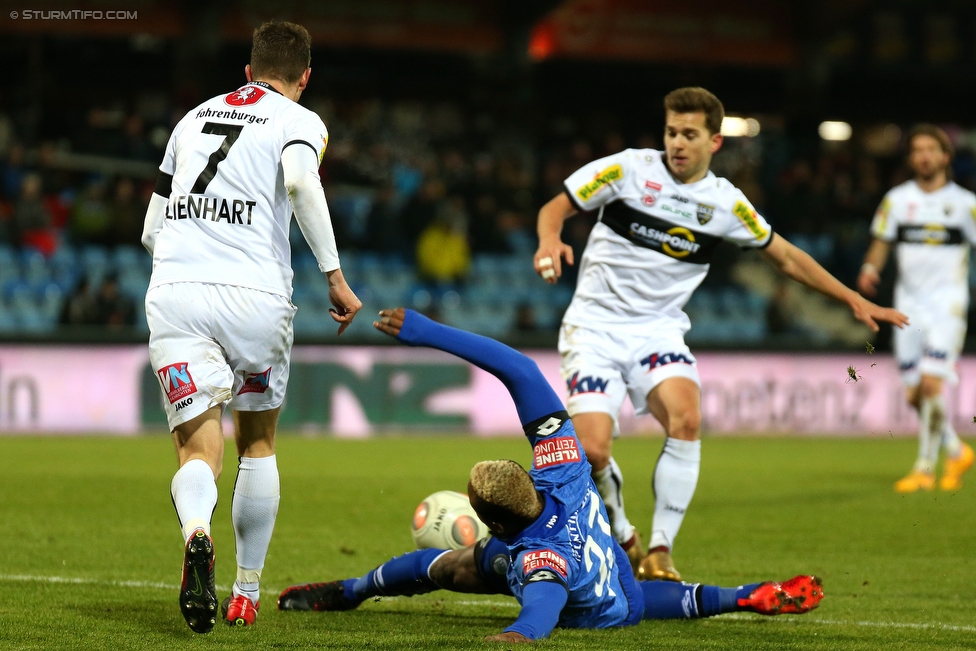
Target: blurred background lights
{"x": 737, "y": 127}
{"x": 835, "y": 130}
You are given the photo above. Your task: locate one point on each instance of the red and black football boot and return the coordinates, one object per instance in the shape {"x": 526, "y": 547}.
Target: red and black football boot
{"x": 316, "y": 596}
{"x": 800, "y": 594}
{"x": 238, "y": 610}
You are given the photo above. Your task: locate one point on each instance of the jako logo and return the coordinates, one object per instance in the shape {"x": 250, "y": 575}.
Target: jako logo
{"x": 184, "y": 403}
{"x": 655, "y": 360}
{"x": 177, "y": 381}
{"x": 255, "y": 382}
{"x": 588, "y": 384}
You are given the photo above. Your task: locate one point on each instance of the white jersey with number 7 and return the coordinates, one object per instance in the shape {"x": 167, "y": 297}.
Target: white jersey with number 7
{"x": 228, "y": 215}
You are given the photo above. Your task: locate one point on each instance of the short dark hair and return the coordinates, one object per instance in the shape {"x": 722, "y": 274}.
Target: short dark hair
{"x": 692, "y": 99}
{"x": 280, "y": 51}
{"x": 932, "y": 131}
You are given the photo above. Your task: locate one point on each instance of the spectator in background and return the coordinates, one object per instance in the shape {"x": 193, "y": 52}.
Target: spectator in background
{"x": 91, "y": 222}
{"x": 443, "y": 252}
{"x": 31, "y": 220}
{"x": 112, "y": 307}
{"x": 419, "y": 212}
{"x": 126, "y": 214}
{"x": 12, "y": 173}
{"x": 81, "y": 307}
{"x": 54, "y": 179}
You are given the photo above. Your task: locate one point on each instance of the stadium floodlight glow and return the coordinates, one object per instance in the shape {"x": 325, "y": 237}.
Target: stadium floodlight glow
{"x": 735, "y": 127}
{"x": 835, "y": 130}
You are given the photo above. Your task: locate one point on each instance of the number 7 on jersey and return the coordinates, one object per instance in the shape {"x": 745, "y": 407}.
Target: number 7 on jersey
{"x": 230, "y": 132}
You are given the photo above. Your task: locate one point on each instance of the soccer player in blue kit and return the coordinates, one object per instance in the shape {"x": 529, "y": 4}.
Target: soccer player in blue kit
{"x": 551, "y": 546}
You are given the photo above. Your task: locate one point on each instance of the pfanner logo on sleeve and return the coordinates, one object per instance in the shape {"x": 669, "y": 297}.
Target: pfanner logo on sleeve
{"x": 544, "y": 558}
{"x": 177, "y": 381}
{"x": 552, "y": 452}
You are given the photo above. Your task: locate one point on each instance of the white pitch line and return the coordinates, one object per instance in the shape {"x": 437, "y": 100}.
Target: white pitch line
{"x": 485, "y": 602}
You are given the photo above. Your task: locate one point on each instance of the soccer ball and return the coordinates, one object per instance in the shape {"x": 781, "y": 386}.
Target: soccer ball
{"x": 445, "y": 520}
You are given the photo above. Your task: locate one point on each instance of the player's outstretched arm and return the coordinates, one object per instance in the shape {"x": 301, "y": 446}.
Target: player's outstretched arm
{"x": 542, "y": 601}
{"x": 530, "y": 390}
{"x": 874, "y": 264}
{"x": 799, "y": 266}
{"x": 548, "y": 259}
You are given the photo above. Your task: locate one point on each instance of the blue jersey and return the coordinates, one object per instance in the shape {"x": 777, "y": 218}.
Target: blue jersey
{"x": 571, "y": 542}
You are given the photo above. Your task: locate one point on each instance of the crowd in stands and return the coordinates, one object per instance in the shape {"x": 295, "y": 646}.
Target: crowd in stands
{"x": 430, "y": 198}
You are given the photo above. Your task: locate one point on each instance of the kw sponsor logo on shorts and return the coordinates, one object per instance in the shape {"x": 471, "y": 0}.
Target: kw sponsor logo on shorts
{"x": 600, "y": 181}
{"x": 544, "y": 558}
{"x": 177, "y": 381}
{"x": 588, "y": 384}
{"x": 255, "y": 382}
{"x": 750, "y": 220}
{"x": 677, "y": 242}
{"x": 554, "y": 452}
{"x": 655, "y": 360}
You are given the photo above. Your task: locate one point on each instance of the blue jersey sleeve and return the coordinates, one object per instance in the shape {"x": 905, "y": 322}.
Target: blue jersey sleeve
{"x": 534, "y": 398}
{"x": 542, "y": 602}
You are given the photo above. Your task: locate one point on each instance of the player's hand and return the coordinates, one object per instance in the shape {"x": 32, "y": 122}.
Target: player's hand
{"x": 510, "y": 636}
{"x": 390, "y": 321}
{"x": 345, "y": 302}
{"x": 867, "y": 280}
{"x": 868, "y": 313}
{"x": 549, "y": 259}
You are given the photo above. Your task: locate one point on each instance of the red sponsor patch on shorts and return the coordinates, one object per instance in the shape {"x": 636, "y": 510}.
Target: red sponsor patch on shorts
{"x": 552, "y": 452}
{"x": 256, "y": 382}
{"x": 533, "y": 561}
{"x": 177, "y": 381}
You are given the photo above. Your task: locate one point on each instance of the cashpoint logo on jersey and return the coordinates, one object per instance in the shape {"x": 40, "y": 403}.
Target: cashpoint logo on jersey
{"x": 177, "y": 381}
{"x": 256, "y": 382}
{"x": 245, "y": 96}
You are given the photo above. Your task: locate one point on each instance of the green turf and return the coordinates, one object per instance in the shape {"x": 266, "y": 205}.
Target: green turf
{"x": 898, "y": 570}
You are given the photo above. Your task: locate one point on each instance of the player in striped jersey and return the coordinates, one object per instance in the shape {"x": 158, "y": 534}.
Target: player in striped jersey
{"x": 929, "y": 222}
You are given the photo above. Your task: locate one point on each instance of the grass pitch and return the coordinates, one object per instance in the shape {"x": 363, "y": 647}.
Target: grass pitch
{"x": 91, "y": 550}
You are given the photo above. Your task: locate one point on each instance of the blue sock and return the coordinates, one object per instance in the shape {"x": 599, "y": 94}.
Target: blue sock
{"x": 667, "y": 600}
{"x": 405, "y": 575}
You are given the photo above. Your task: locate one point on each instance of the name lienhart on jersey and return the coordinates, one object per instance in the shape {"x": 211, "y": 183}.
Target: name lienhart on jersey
{"x": 233, "y": 211}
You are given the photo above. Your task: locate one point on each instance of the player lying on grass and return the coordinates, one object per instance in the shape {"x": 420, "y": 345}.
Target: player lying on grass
{"x": 551, "y": 546}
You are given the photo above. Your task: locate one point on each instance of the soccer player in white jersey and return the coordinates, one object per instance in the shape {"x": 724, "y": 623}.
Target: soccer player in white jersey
{"x": 219, "y": 309}
{"x": 930, "y": 223}
{"x": 661, "y": 216}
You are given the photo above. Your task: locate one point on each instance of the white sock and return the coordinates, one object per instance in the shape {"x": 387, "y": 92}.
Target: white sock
{"x": 610, "y": 482}
{"x": 255, "y": 507}
{"x": 946, "y": 436}
{"x": 674, "y": 484}
{"x": 194, "y": 492}
{"x": 924, "y": 463}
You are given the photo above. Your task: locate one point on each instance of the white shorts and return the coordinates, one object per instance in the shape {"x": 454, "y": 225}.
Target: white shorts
{"x": 602, "y": 367}
{"x": 929, "y": 345}
{"x": 210, "y": 344}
